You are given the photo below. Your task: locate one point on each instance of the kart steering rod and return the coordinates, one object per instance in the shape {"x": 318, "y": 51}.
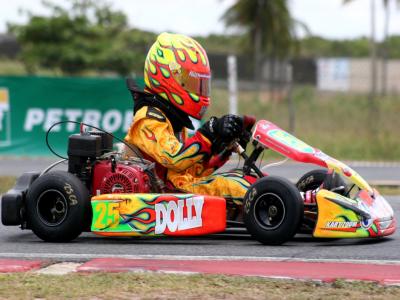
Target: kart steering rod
{"x": 249, "y": 160}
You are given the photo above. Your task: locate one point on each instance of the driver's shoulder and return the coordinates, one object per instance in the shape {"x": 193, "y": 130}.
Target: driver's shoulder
{"x": 150, "y": 112}
{"x": 152, "y": 118}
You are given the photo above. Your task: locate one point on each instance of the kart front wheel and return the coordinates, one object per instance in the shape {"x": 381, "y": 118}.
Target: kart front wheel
{"x": 273, "y": 210}
{"x": 315, "y": 178}
{"x": 58, "y": 207}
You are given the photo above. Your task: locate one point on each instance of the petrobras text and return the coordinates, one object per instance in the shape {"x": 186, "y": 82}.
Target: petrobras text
{"x": 110, "y": 120}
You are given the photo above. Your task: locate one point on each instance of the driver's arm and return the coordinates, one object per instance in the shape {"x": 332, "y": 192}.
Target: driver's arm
{"x": 208, "y": 167}
{"x": 156, "y": 138}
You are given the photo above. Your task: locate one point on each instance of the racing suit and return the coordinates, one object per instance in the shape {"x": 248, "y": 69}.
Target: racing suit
{"x": 188, "y": 161}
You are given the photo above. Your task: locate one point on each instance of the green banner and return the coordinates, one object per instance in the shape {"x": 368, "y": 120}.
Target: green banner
{"x": 30, "y": 105}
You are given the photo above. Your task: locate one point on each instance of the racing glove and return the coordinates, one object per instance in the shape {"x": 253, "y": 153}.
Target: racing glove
{"x": 225, "y": 129}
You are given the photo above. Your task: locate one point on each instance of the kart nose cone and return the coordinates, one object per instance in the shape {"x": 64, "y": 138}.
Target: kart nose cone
{"x": 366, "y": 215}
{"x": 382, "y": 215}
{"x": 381, "y": 221}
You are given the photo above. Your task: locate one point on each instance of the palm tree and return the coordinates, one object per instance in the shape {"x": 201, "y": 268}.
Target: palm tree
{"x": 267, "y": 24}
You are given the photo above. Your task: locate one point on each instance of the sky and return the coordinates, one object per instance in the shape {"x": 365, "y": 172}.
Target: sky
{"x": 327, "y": 18}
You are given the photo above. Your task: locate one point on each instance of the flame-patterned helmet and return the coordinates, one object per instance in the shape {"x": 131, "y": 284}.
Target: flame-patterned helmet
{"x": 177, "y": 70}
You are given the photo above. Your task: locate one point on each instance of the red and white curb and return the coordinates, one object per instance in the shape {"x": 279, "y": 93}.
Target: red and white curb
{"x": 59, "y": 268}
{"x": 327, "y": 271}
{"x": 15, "y": 265}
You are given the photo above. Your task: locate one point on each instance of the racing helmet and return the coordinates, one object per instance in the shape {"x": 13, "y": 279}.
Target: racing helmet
{"x": 177, "y": 70}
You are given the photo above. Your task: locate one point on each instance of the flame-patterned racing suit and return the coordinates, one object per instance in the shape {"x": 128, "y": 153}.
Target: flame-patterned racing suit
{"x": 188, "y": 161}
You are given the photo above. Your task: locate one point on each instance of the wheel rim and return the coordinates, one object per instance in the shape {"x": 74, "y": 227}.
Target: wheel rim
{"x": 52, "y": 207}
{"x": 269, "y": 211}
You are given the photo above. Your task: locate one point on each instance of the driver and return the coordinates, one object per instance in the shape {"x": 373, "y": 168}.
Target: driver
{"x": 177, "y": 86}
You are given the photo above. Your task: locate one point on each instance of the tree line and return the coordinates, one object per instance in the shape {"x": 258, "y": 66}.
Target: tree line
{"x": 91, "y": 35}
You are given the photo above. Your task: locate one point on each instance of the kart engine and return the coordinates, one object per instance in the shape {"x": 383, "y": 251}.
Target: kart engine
{"x": 91, "y": 159}
{"x": 111, "y": 177}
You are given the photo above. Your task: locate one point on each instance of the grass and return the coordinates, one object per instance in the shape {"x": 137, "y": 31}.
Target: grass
{"x": 388, "y": 190}
{"x": 6, "y": 183}
{"x": 11, "y": 67}
{"x": 163, "y": 286}
{"x": 337, "y": 123}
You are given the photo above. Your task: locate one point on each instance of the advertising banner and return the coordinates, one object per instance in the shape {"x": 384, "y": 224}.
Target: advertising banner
{"x": 30, "y": 105}
{"x": 333, "y": 74}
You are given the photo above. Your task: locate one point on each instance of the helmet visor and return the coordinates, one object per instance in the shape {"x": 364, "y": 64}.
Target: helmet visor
{"x": 193, "y": 82}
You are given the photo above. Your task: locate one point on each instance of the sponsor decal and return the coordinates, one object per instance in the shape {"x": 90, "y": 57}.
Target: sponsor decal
{"x": 177, "y": 216}
{"x": 335, "y": 224}
{"x": 252, "y": 194}
{"x": 290, "y": 141}
{"x": 110, "y": 120}
{"x": 5, "y": 127}
{"x": 199, "y": 75}
{"x": 153, "y": 113}
{"x": 73, "y": 200}
{"x": 265, "y": 126}
{"x": 366, "y": 223}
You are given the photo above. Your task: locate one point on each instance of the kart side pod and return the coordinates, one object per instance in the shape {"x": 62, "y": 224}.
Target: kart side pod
{"x": 157, "y": 214}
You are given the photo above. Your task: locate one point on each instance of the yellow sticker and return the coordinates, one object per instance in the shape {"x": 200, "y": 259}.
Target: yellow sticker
{"x": 4, "y": 96}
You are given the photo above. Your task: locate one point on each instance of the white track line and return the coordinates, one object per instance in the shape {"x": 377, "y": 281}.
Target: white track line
{"x": 85, "y": 257}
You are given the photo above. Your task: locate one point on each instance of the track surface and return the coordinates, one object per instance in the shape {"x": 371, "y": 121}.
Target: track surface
{"x": 17, "y": 243}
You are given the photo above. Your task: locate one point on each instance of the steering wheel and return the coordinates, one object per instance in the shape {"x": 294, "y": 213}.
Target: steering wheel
{"x": 239, "y": 144}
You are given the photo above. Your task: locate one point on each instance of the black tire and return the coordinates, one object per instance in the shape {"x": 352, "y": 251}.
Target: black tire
{"x": 58, "y": 207}
{"x": 273, "y": 209}
{"x": 313, "y": 179}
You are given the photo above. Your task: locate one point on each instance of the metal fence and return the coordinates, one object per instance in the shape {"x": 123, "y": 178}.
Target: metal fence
{"x": 325, "y": 73}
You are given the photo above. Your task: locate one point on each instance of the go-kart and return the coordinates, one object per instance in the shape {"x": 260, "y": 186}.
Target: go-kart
{"x": 111, "y": 193}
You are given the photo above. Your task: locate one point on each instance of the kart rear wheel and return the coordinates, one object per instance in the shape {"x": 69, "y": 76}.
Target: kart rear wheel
{"x": 58, "y": 207}
{"x": 273, "y": 209}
